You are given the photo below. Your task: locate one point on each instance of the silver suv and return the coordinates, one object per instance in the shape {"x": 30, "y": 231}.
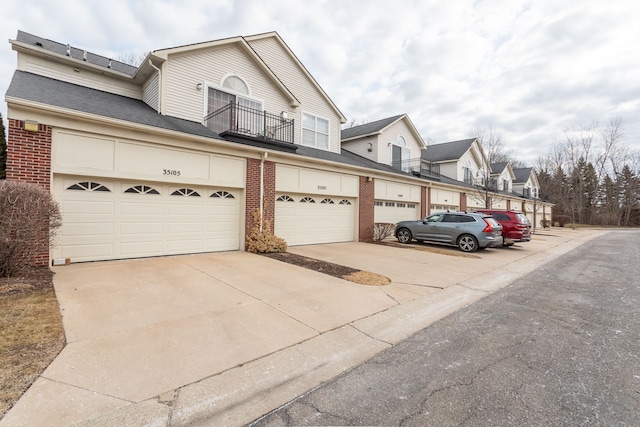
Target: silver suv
{"x": 466, "y": 230}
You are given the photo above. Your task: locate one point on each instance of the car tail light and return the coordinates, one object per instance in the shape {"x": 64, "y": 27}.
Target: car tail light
{"x": 488, "y": 228}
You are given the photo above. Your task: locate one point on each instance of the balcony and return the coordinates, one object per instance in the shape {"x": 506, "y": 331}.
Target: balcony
{"x": 248, "y": 125}
{"x": 418, "y": 167}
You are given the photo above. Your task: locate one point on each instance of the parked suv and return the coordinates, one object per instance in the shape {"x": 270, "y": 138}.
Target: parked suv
{"x": 515, "y": 225}
{"x": 469, "y": 231}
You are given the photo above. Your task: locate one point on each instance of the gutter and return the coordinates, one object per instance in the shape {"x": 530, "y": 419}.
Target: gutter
{"x": 159, "y": 86}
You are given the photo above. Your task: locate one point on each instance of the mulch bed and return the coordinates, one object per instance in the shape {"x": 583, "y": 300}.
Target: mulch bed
{"x": 336, "y": 270}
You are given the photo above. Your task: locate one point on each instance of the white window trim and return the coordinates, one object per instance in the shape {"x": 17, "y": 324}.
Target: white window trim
{"x": 302, "y": 113}
{"x": 226, "y": 76}
{"x": 205, "y": 93}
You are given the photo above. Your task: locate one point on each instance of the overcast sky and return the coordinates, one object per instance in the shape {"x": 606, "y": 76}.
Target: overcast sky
{"x": 529, "y": 69}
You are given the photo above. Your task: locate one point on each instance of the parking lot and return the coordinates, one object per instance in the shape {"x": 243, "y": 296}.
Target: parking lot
{"x": 227, "y": 337}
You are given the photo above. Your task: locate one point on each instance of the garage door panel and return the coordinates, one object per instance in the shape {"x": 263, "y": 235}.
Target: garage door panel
{"x": 132, "y": 208}
{"x": 141, "y": 248}
{"x": 88, "y": 229}
{"x": 185, "y": 245}
{"x": 86, "y": 207}
{"x": 138, "y": 228}
{"x": 185, "y": 227}
{"x": 88, "y": 252}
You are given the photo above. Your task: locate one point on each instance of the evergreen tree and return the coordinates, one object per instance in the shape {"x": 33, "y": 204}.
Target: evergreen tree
{"x": 3, "y": 150}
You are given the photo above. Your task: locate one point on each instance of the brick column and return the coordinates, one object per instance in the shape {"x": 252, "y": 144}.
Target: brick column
{"x": 366, "y": 209}
{"x": 29, "y": 160}
{"x": 425, "y": 201}
{"x": 253, "y": 193}
{"x": 463, "y": 202}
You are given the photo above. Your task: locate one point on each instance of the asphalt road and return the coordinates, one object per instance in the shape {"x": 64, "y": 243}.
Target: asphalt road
{"x": 559, "y": 347}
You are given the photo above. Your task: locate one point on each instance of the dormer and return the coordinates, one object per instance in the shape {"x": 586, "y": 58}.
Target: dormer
{"x": 526, "y": 183}
{"x": 462, "y": 160}
{"x": 393, "y": 141}
{"x": 502, "y": 177}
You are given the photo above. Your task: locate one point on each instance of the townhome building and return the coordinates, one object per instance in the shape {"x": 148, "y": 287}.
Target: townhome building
{"x": 182, "y": 153}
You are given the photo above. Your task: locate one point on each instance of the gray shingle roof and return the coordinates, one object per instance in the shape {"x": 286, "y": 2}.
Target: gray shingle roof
{"x": 368, "y": 128}
{"x": 522, "y": 174}
{"x": 498, "y": 167}
{"x": 44, "y": 90}
{"x": 56, "y": 93}
{"x": 75, "y": 53}
{"x": 447, "y": 151}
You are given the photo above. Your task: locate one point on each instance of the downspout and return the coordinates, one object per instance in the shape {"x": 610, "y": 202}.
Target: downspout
{"x": 159, "y": 84}
{"x": 263, "y": 157}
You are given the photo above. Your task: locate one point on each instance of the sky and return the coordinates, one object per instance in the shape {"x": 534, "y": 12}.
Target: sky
{"x": 528, "y": 69}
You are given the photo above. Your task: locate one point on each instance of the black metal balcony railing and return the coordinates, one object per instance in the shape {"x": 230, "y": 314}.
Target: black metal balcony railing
{"x": 418, "y": 167}
{"x": 238, "y": 119}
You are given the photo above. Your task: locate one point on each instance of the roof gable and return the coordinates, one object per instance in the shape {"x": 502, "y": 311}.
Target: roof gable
{"x": 241, "y": 42}
{"x": 371, "y": 128}
{"x": 378, "y": 127}
{"x": 522, "y": 175}
{"x": 253, "y": 40}
{"x": 447, "y": 151}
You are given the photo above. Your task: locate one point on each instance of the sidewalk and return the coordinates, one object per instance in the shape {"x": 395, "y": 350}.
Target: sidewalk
{"x": 222, "y": 339}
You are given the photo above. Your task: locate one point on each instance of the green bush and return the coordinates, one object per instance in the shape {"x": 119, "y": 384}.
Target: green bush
{"x": 29, "y": 219}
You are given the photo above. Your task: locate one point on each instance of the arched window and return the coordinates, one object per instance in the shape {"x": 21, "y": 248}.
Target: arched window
{"x": 236, "y": 84}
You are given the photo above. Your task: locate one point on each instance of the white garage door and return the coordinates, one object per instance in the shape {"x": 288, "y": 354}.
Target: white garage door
{"x": 309, "y": 219}
{"x": 109, "y": 219}
{"x": 393, "y": 212}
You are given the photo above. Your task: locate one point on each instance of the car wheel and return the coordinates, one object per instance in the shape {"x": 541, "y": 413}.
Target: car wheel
{"x": 404, "y": 235}
{"x": 467, "y": 243}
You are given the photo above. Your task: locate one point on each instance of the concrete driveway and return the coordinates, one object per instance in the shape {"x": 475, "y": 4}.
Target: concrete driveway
{"x": 224, "y": 338}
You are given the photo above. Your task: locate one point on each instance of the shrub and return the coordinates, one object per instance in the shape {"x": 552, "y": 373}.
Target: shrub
{"x": 264, "y": 241}
{"x": 383, "y": 230}
{"x": 29, "y": 219}
{"x": 562, "y": 220}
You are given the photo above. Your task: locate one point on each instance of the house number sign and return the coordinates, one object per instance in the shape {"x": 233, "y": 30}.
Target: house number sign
{"x": 171, "y": 172}
{"x": 322, "y": 187}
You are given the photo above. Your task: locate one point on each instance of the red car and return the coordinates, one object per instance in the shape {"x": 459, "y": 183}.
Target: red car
{"x": 516, "y": 227}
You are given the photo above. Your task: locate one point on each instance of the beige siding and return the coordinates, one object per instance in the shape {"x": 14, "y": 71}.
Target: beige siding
{"x": 390, "y": 136}
{"x": 150, "y": 91}
{"x": 311, "y": 99}
{"x": 66, "y": 73}
{"x": 360, "y": 147}
{"x": 183, "y": 71}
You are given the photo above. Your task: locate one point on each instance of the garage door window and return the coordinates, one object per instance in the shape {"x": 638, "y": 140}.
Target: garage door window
{"x": 345, "y": 202}
{"x": 328, "y": 201}
{"x": 222, "y": 195}
{"x": 307, "y": 200}
{"x": 141, "y": 189}
{"x": 88, "y": 186}
{"x": 186, "y": 192}
{"x": 285, "y": 199}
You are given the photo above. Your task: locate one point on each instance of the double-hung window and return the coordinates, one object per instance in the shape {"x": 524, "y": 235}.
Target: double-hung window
{"x": 315, "y": 131}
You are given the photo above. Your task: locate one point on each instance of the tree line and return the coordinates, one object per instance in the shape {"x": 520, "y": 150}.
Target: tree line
{"x": 592, "y": 176}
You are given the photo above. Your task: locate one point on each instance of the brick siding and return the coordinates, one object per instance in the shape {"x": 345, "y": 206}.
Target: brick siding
{"x": 253, "y": 192}
{"x": 366, "y": 210}
{"x": 29, "y": 160}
